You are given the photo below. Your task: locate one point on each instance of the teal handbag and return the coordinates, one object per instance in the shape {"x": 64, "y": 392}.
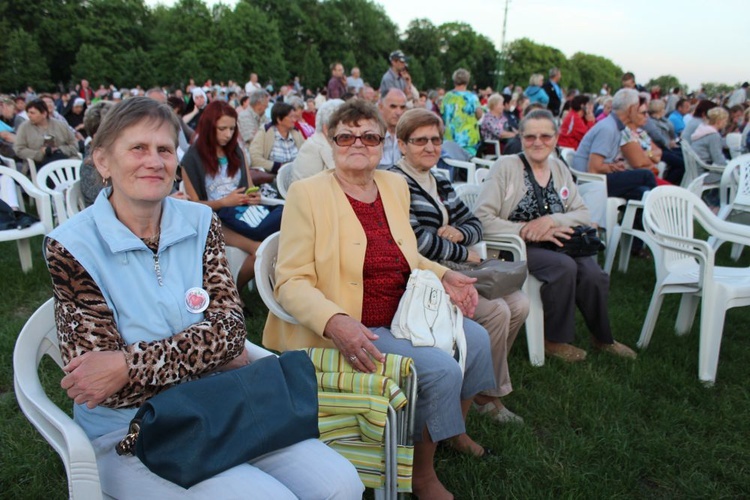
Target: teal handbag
{"x": 195, "y": 430}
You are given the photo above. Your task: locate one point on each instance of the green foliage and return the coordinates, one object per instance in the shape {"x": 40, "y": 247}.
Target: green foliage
{"x": 23, "y": 63}
{"x": 594, "y": 71}
{"x": 666, "y": 82}
{"x": 714, "y": 88}
{"x": 524, "y": 57}
{"x": 94, "y": 63}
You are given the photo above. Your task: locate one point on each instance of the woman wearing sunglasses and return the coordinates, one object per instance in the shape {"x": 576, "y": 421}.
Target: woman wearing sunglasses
{"x": 508, "y": 205}
{"x": 446, "y": 229}
{"x": 345, "y": 253}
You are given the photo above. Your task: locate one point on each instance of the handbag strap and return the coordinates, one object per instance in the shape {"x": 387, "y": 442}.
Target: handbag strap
{"x": 541, "y": 204}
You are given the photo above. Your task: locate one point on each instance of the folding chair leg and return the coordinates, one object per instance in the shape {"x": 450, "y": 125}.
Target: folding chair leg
{"x": 686, "y": 313}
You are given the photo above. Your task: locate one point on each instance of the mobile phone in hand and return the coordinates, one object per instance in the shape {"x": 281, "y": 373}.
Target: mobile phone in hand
{"x": 252, "y": 189}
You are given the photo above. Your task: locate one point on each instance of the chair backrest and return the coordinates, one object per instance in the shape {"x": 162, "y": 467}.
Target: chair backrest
{"x": 265, "y": 276}
{"x": 468, "y": 193}
{"x": 567, "y": 155}
{"x": 469, "y": 166}
{"x": 284, "y": 178}
{"x": 694, "y": 166}
{"x": 668, "y": 216}
{"x": 734, "y": 144}
{"x": 74, "y": 201}
{"x": 54, "y": 179}
{"x": 735, "y": 184}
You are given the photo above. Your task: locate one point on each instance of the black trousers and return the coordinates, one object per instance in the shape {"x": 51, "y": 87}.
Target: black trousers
{"x": 567, "y": 283}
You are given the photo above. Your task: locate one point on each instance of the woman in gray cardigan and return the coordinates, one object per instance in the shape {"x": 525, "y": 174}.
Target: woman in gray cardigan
{"x": 508, "y": 205}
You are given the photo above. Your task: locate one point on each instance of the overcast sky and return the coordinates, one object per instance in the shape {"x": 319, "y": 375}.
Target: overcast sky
{"x": 696, "y": 41}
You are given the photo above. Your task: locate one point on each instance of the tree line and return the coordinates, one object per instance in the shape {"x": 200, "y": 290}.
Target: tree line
{"x": 53, "y": 43}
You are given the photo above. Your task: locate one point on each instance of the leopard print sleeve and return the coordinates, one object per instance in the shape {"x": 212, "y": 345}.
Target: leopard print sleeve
{"x": 85, "y": 323}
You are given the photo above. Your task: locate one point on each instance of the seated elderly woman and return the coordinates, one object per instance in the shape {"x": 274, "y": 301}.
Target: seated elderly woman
{"x": 301, "y": 125}
{"x": 125, "y": 333}
{"x": 706, "y": 140}
{"x": 445, "y": 230}
{"x": 44, "y": 139}
{"x": 279, "y": 143}
{"x": 508, "y": 205}
{"x": 495, "y": 126}
{"x": 316, "y": 155}
{"x": 345, "y": 253}
{"x": 578, "y": 121}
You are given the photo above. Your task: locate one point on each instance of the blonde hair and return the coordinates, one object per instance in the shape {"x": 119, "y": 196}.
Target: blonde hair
{"x": 716, "y": 114}
{"x": 494, "y": 101}
{"x": 536, "y": 79}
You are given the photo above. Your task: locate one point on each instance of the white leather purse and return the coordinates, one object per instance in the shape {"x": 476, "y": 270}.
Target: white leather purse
{"x": 427, "y": 317}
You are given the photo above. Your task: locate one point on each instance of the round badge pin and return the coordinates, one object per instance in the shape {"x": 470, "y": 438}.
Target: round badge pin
{"x": 196, "y": 300}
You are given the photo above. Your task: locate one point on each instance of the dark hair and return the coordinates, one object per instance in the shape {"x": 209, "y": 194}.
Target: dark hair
{"x": 417, "y": 118}
{"x": 627, "y": 76}
{"x": 702, "y": 108}
{"x": 680, "y": 102}
{"x": 243, "y": 99}
{"x": 579, "y": 102}
{"x": 39, "y": 105}
{"x": 177, "y": 104}
{"x": 279, "y": 111}
{"x": 206, "y": 143}
{"x": 131, "y": 112}
{"x": 352, "y": 112}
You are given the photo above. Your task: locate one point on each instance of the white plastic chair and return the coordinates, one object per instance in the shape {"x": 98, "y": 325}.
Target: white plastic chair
{"x": 694, "y": 167}
{"x": 532, "y": 287}
{"x": 468, "y": 193}
{"x": 74, "y": 202}
{"x": 38, "y": 337}
{"x": 734, "y": 144}
{"x": 734, "y": 195}
{"x": 23, "y": 236}
{"x": 469, "y": 166}
{"x": 686, "y": 266}
{"x": 61, "y": 174}
{"x": 284, "y": 178}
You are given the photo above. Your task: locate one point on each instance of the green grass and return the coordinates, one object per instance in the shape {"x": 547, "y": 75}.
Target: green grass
{"x": 604, "y": 428}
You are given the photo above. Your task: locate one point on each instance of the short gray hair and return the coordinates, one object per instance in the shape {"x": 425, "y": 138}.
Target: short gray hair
{"x": 554, "y": 72}
{"x": 461, "y": 77}
{"x": 130, "y": 112}
{"x": 257, "y": 96}
{"x": 537, "y": 114}
{"x": 324, "y": 113}
{"x": 623, "y": 99}
{"x": 296, "y": 102}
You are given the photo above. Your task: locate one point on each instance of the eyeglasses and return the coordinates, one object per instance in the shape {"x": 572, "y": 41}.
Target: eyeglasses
{"x": 531, "y": 138}
{"x": 371, "y": 140}
{"x": 422, "y": 141}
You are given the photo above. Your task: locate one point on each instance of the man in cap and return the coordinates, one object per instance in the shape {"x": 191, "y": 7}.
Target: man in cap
{"x": 392, "y": 78}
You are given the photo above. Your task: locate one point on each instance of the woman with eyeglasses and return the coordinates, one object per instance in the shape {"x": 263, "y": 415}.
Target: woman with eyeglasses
{"x": 508, "y": 205}
{"x": 345, "y": 253}
{"x": 446, "y": 229}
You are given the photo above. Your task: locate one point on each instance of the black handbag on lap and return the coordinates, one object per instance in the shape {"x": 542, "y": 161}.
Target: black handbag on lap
{"x": 584, "y": 242}
{"x": 195, "y": 430}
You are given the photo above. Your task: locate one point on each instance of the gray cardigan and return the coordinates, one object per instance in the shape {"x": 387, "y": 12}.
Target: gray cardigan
{"x": 192, "y": 166}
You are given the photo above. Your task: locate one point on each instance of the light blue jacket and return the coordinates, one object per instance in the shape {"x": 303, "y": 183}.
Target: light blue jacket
{"x": 145, "y": 291}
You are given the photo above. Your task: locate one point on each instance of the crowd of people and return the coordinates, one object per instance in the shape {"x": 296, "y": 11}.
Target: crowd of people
{"x": 169, "y": 172}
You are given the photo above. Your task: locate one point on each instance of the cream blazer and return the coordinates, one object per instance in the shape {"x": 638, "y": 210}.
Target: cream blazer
{"x": 322, "y": 253}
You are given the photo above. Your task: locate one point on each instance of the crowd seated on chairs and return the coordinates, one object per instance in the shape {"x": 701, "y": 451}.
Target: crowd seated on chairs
{"x": 227, "y": 134}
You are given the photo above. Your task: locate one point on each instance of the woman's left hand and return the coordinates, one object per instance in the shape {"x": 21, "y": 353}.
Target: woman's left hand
{"x": 451, "y": 234}
{"x": 94, "y": 376}
{"x": 254, "y": 198}
{"x": 460, "y": 289}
